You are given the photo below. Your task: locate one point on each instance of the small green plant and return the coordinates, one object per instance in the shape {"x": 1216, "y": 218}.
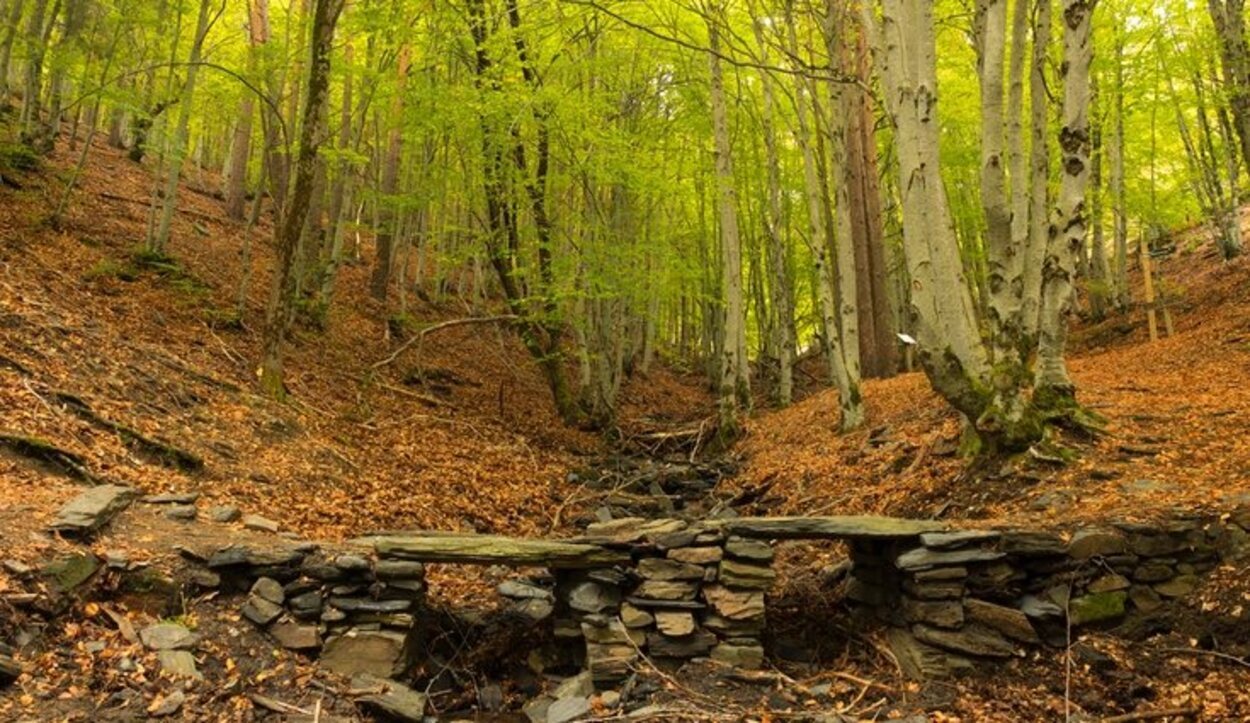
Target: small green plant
{"x": 18, "y": 157}
{"x": 109, "y": 268}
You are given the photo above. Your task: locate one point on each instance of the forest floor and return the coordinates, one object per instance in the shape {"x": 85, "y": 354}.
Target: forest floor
{"x": 465, "y": 438}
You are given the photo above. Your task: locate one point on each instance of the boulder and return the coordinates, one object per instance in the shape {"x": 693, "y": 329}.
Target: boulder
{"x": 92, "y": 509}
{"x": 523, "y": 591}
{"x": 853, "y": 527}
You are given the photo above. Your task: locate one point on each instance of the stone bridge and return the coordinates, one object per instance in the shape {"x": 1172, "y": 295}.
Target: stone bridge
{"x": 675, "y": 589}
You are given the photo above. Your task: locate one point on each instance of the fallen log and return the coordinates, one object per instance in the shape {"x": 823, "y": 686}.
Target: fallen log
{"x": 163, "y": 453}
{"x": 71, "y": 464}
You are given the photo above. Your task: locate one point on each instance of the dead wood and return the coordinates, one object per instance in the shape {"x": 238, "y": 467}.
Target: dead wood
{"x": 69, "y": 463}
{"x": 419, "y": 337}
{"x": 1151, "y": 714}
{"x": 163, "y": 453}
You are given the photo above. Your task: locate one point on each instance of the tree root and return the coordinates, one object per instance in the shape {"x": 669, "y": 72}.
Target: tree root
{"x": 163, "y": 453}
{"x": 70, "y": 464}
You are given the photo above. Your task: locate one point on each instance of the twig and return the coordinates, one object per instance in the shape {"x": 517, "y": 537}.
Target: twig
{"x": 1151, "y": 714}
{"x": 1211, "y": 654}
{"x": 420, "y": 335}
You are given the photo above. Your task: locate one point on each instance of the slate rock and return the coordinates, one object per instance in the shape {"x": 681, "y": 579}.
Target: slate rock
{"x": 396, "y": 701}
{"x": 9, "y": 670}
{"x": 533, "y": 609}
{"x": 379, "y": 653}
{"x": 665, "y": 590}
{"x": 224, "y": 513}
{"x": 536, "y": 710}
{"x": 168, "y": 705}
{"x": 1179, "y": 586}
{"x": 674, "y": 623}
{"x": 307, "y": 604}
{"x": 1010, "y": 622}
{"x": 973, "y": 639}
{"x": 68, "y": 572}
{"x": 923, "y": 558}
{"x": 744, "y": 657}
{"x": 294, "y": 636}
{"x": 168, "y": 636}
{"x": 178, "y": 663}
{"x": 634, "y": 617}
{"x": 697, "y": 555}
{"x": 1032, "y": 543}
{"x": 1144, "y": 598}
{"x": 581, "y": 685}
{"x": 92, "y": 509}
{"x": 610, "y": 662}
{"x": 263, "y": 524}
{"x": 1096, "y": 542}
{"x": 734, "y": 605}
{"x": 568, "y": 709}
{"x": 365, "y": 605}
{"x": 736, "y": 574}
{"x": 523, "y": 591}
{"x": 261, "y": 611}
{"x": 1097, "y": 607}
{"x": 689, "y": 646}
{"x": 269, "y": 589}
{"x": 1153, "y": 572}
{"x": 939, "y": 613}
{"x": 593, "y": 597}
{"x": 351, "y": 563}
{"x": 1108, "y": 583}
{"x": 399, "y": 570}
{"x": 173, "y": 498}
{"x": 749, "y": 550}
{"x": 956, "y": 540}
{"x": 654, "y": 568}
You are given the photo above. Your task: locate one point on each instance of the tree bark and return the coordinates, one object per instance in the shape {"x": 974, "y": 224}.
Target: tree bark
{"x": 385, "y": 257}
{"x": 1039, "y": 185}
{"x": 282, "y": 293}
{"x": 1229, "y": 18}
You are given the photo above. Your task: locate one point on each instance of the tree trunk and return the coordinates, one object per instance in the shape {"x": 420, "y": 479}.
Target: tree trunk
{"x": 1119, "y": 200}
{"x": 6, "y": 48}
{"x": 241, "y": 146}
{"x": 735, "y": 384}
{"x": 282, "y": 293}
{"x": 1229, "y": 18}
{"x": 1053, "y": 386}
{"x": 1039, "y": 185}
{"x": 1098, "y": 272}
{"x": 385, "y": 257}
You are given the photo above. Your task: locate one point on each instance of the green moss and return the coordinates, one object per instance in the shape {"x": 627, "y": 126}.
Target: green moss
{"x": 111, "y": 269}
{"x": 1097, "y": 607}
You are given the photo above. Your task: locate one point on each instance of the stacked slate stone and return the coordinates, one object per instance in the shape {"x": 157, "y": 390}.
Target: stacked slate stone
{"x": 360, "y": 610}
{"x": 691, "y": 592}
{"x": 959, "y": 596}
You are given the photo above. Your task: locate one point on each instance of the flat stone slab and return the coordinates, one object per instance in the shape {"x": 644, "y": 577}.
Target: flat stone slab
{"x": 496, "y": 550}
{"x": 869, "y": 527}
{"x": 93, "y": 509}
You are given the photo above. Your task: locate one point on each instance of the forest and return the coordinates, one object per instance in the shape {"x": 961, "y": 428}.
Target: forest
{"x": 556, "y": 360}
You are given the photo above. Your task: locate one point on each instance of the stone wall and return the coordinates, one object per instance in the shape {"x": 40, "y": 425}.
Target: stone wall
{"x": 953, "y": 598}
{"x": 358, "y": 610}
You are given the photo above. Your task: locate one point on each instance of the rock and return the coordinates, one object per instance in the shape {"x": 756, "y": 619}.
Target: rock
{"x": 734, "y": 605}
{"x": 685, "y": 647}
{"x": 396, "y": 701}
{"x": 920, "y": 661}
{"x": 1108, "y": 583}
{"x": 1179, "y": 586}
{"x": 523, "y": 591}
{"x": 533, "y": 609}
{"x": 173, "y": 498}
{"x": 697, "y": 555}
{"x": 955, "y": 540}
{"x": 1031, "y": 543}
{"x": 536, "y": 710}
{"x": 746, "y": 657}
{"x": 205, "y": 579}
{"x": 398, "y": 570}
{"x": 493, "y": 549}
{"x": 17, "y": 567}
{"x": 973, "y": 639}
{"x": 581, "y": 685}
{"x": 490, "y": 698}
{"x": 256, "y": 522}
{"x": 1096, "y": 542}
{"x": 306, "y": 604}
{"x": 1153, "y": 572}
{"x": 868, "y": 527}
{"x": 167, "y": 705}
{"x": 1144, "y": 598}
{"x": 1155, "y": 544}
{"x": 1097, "y": 607}
{"x": 377, "y": 652}
{"x": 294, "y": 636}
{"x": 614, "y": 633}
{"x": 261, "y": 611}
{"x": 674, "y": 623}
{"x": 70, "y": 571}
{"x": 939, "y": 613}
{"x": 749, "y": 550}
{"x": 923, "y": 558}
{"x": 654, "y": 568}
{"x": 224, "y": 513}
{"x": 1010, "y": 622}
{"x": 610, "y": 662}
{"x": 269, "y": 589}
{"x": 168, "y": 636}
{"x": 92, "y": 509}
{"x": 946, "y": 574}
{"x": 178, "y": 663}
{"x": 741, "y": 575}
{"x": 9, "y": 670}
{"x": 632, "y": 617}
{"x": 609, "y": 699}
{"x": 567, "y": 710}
{"x": 592, "y": 597}
{"x": 365, "y": 605}
{"x": 351, "y": 563}
{"x": 935, "y": 590}
{"x": 665, "y": 590}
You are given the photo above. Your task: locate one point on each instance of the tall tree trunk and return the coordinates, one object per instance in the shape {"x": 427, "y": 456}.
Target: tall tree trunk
{"x": 36, "y": 47}
{"x": 385, "y": 257}
{"x": 241, "y": 146}
{"x": 282, "y": 293}
{"x": 1119, "y": 199}
{"x": 1039, "y": 185}
{"x": 340, "y": 193}
{"x": 157, "y": 241}
{"x": 1069, "y": 225}
{"x": 735, "y": 384}
{"x": 1098, "y": 272}
{"x": 6, "y": 48}
{"x": 1229, "y": 18}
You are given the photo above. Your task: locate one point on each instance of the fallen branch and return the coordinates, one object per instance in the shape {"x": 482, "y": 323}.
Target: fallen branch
{"x": 420, "y": 335}
{"x": 1210, "y": 654}
{"x": 71, "y": 464}
{"x": 140, "y": 202}
{"x": 163, "y": 452}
